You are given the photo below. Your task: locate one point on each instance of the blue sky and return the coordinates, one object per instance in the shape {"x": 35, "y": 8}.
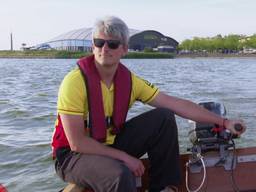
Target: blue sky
{"x": 37, "y": 21}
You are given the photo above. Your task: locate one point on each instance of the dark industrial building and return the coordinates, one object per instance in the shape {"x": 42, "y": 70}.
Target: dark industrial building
{"x": 152, "y": 40}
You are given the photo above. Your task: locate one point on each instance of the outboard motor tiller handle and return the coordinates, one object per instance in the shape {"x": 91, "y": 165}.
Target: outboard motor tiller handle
{"x": 238, "y": 127}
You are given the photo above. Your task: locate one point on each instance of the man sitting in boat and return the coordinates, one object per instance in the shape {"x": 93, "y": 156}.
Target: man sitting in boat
{"x": 95, "y": 147}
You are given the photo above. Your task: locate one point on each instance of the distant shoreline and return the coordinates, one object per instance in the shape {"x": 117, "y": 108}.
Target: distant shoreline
{"x": 131, "y": 55}
{"x": 215, "y": 55}
{"x": 54, "y": 54}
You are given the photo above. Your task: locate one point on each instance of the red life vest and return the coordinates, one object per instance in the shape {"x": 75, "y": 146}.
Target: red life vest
{"x": 98, "y": 125}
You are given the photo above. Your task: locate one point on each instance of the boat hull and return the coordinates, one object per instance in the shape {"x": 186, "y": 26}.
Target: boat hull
{"x": 217, "y": 178}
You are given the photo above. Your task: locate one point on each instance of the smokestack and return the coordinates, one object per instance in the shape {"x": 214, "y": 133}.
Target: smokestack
{"x": 11, "y": 42}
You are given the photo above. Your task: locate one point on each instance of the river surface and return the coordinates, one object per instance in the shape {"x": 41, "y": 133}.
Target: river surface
{"x": 28, "y": 94}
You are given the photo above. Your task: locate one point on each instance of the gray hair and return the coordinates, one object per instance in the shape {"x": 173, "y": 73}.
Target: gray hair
{"x": 112, "y": 26}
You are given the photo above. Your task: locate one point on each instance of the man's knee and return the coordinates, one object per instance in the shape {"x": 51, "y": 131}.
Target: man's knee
{"x": 107, "y": 173}
{"x": 167, "y": 121}
{"x": 165, "y": 113}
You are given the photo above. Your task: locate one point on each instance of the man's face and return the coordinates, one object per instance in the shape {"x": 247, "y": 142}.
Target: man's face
{"x": 108, "y": 53}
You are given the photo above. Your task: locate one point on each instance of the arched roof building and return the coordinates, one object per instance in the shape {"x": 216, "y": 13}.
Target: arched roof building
{"x": 75, "y": 40}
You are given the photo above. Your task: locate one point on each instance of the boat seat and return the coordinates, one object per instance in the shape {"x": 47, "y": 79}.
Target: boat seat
{"x": 74, "y": 188}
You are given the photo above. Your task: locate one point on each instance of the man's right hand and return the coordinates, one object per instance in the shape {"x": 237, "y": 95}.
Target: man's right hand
{"x": 135, "y": 165}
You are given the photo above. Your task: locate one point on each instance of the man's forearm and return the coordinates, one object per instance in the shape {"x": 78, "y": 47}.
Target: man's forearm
{"x": 186, "y": 109}
{"x": 88, "y": 145}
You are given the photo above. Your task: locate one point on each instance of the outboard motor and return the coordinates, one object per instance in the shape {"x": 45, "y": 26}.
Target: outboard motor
{"x": 207, "y": 138}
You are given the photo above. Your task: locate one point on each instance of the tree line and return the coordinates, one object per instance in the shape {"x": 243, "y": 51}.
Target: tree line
{"x": 227, "y": 44}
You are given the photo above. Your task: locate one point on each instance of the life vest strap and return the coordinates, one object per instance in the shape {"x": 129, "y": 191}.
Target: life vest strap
{"x": 108, "y": 120}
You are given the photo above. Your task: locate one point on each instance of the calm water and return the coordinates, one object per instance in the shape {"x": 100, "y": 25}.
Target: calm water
{"x": 28, "y": 94}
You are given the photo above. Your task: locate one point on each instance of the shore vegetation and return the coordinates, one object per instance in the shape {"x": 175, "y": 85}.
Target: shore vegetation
{"x": 218, "y": 44}
{"x": 75, "y": 54}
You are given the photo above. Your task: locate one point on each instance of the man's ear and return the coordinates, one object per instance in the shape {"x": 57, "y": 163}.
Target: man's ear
{"x": 93, "y": 47}
{"x": 125, "y": 50}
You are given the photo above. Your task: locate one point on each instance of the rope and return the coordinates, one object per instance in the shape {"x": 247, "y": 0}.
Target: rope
{"x": 204, "y": 174}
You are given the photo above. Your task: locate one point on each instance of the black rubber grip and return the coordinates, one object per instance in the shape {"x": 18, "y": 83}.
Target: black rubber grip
{"x": 238, "y": 127}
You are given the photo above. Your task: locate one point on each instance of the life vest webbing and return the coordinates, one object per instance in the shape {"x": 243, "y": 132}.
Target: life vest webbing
{"x": 122, "y": 93}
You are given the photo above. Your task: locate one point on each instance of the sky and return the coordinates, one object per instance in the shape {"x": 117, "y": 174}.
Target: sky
{"x": 37, "y": 21}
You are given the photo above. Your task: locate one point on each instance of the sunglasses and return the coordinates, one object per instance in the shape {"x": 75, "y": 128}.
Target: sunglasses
{"x": 112, "y": 44}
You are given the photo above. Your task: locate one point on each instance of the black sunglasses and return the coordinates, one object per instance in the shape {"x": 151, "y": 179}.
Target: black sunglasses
{"x": 112, "y": 44}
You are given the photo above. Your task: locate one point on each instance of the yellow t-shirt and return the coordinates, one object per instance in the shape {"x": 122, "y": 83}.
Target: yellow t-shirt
{"x": 72, "y": 97}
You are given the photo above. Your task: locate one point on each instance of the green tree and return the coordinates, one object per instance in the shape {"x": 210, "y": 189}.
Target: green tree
{"x": 231, "y": 42}
{"x": 218, "y": 43}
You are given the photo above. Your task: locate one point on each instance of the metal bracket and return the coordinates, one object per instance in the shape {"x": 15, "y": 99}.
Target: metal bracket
{"x": 223, "y": 157}
{"x": 246, "y": 158}
{"x": 196, "y": 166}
{"x": 216, "y": 161}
